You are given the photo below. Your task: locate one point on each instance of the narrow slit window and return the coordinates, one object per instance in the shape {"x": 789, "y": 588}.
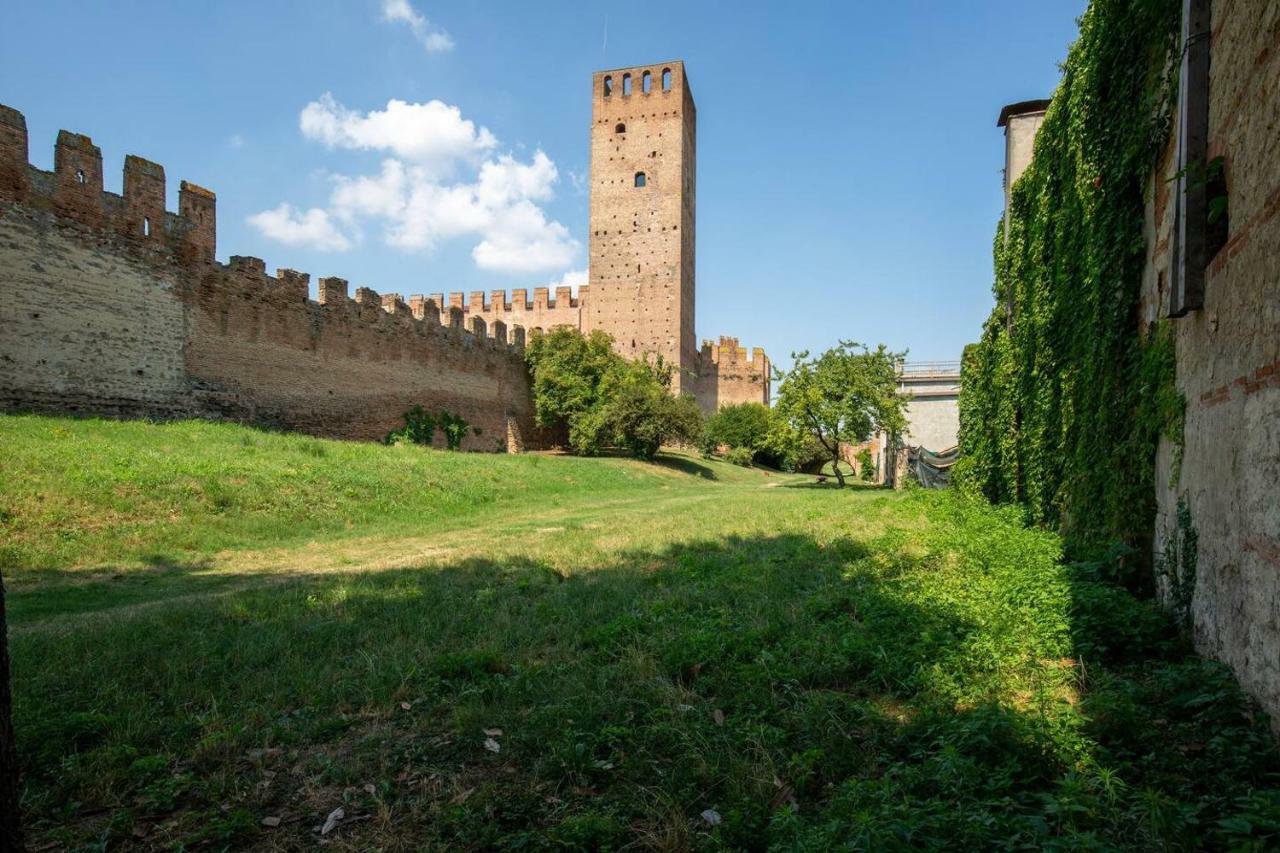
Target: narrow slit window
{"x": 608, "y": 86}
{"x": 80, "y": 176}
{"x": 626, "y": 84}
{"x": 1198, "y": 223}
{"x": 646, "y": 82}
{"x": 146, "y": 226}
{"x": 666, "y": 79}
{"x": 641, "y": 180}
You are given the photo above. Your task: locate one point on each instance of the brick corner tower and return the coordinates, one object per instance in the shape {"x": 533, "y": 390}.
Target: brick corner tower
{"x": 643, "y": 140}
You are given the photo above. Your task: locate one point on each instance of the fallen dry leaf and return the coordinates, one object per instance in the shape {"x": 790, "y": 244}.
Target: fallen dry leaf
{"x": 783, "y": 795}
{"x": 405, "y": 705}
{"x": 718, "y": 716}
{"x": 492, "y": 745}
{"x": 369, "y": 789}
{"x": 462, "y": 797}
{"x": 712, "y": 817}
{"x": 332, "y": 820}
{"x": 493, "y": 732}
{"x": 271, "y": 820}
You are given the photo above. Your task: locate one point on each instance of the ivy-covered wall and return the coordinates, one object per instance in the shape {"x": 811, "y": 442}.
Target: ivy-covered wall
{"x": 1066, "y": 394}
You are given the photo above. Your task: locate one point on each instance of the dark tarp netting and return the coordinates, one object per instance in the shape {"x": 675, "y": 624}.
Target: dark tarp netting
{"x": 931, "y": 470}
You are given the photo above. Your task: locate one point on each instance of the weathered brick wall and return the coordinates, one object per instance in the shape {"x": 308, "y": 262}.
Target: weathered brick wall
{"x": 642, "y": 238}
{"x": 85, "y": 327}
{"x": 641, "y": 260}
{"x": 726, "y": 375}
{"x": 260, "y": 350}
{"x": 110, "y": 305}
{"x": 1227, "y": 474}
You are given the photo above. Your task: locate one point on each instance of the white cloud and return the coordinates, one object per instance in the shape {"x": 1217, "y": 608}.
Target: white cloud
{"x": 312, "y": 228}
{"x": 572, "y": 278}
{"x": 431, "y": 37}
{"x": 443, "y": 182}
{"x": 236, "y": 141}
{"x": 521, "y": 239}
{"x": 433, "y": 134}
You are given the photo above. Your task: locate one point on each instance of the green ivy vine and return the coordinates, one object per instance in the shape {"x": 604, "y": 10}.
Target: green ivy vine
{"x": 1066, "y": 394}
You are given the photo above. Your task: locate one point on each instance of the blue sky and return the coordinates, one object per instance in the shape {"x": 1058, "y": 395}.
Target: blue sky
{"x": 849, "y": 167}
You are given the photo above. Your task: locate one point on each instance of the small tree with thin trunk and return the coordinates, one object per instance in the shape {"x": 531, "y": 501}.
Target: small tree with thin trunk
{"x": 10, "y": 818}
{"x": 843, "y": 396}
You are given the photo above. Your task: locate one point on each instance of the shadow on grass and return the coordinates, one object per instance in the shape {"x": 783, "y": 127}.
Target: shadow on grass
{"x": 46, "y": 594}
{"x": 811, "y": 693}
{"x": 830, "y": 483}
{"x": 685, "y": 465}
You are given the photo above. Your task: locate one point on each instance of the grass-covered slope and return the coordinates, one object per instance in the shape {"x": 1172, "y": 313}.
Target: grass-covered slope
{"x": 600, "y": 656}
{"x": 107, "y": 494}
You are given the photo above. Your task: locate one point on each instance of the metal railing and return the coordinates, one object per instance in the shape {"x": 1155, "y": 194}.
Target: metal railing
{"x": 930, "y": 368}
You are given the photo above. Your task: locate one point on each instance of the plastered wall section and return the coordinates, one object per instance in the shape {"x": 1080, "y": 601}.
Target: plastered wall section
{"x": 933, "y": 422}
{"x": 1020, "y": 140}
{"x": 1227, "y": 471}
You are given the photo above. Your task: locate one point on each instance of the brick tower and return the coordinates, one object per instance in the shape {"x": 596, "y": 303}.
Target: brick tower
{"x": 643, "y": 131}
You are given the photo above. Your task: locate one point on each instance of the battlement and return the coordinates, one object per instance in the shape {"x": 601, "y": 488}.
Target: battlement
{"x": 727, "y": 352}
{"x": 249, "y": 278}
{"x": 74, "y": 192}
{"x": 610, "y": 86}
{"x": 498, "y": 302}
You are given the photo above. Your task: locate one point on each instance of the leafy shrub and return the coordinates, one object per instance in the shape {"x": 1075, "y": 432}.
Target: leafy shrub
{"x": 740, "y": 456}
{"x": 866, "y": 465}
{"x": 743, "y": 425}
{"x": 420, "y": 428}
{"x": 454, "y": 428}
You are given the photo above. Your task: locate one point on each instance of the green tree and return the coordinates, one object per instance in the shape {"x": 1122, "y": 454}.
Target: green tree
{"x": 792, "y": 449}
{"x": 567, "y": 368}
{"x": 604, "y": 400}
{"x": 742, "y": 425}
{"x": 636, "y": 412}
{"x": 843, "y": 396}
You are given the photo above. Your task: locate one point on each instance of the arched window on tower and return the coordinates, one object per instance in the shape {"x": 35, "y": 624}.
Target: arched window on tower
{"x": 641, "y": 180}
{"x": 666, "y": 79}
{"x": 620, "y": 128}
{"x": 646, "y": 82}
{"x": 626, "y": 84}
{"x": 608, "y": 86}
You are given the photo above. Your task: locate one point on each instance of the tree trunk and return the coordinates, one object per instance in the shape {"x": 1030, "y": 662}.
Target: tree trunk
{"x": 835, "y": 466}
{"x": 10, "y": 819}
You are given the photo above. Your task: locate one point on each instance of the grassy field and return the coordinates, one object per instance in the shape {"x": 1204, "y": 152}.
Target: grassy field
{"x": 213, "y": 627}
